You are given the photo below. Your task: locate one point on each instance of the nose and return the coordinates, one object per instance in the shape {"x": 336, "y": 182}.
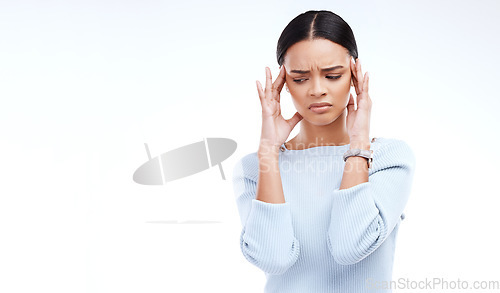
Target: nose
{"x": 317, "y": 88}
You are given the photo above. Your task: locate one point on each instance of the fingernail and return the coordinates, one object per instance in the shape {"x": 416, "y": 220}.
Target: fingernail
{"x": 352, "y": 58}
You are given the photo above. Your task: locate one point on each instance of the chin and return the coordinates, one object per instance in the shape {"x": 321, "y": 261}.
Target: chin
{"x": 321, "y": 119}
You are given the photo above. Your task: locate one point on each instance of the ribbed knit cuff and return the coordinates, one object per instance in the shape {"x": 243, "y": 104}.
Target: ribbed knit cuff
{"x": 268, "y": 240}
{"x": 355, "y": 224}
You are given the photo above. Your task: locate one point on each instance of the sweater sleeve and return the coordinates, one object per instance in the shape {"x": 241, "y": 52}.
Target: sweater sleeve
{"x": 267, "y": 238}
{"x": 365, "y": 214}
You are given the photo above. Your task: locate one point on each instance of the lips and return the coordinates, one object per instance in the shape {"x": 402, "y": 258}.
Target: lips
{"x": 319, "y": 105}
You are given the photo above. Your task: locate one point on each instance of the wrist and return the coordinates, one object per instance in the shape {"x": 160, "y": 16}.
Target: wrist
{"x": 363, "y": 145}
{"x": 268, "y": 151}
{"x": 268, "y": 162}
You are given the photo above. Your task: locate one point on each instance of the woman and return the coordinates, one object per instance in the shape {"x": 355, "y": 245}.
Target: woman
{"x": 316, "y": 215}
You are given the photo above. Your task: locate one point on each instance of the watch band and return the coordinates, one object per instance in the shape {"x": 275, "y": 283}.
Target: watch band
{"x": 368, "y": 154}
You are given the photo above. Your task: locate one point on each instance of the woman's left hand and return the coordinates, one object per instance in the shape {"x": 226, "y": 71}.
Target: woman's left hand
{"x": 358, "y": 121}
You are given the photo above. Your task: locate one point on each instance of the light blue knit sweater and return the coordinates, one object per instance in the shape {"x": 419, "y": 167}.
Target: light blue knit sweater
{"x": 323, "y": 239}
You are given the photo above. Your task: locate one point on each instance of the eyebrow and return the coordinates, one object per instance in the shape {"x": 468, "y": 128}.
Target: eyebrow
{"x": 323, "y": 69}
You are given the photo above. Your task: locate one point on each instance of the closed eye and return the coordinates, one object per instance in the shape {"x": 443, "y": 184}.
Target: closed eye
{"x": 329, "y": 77}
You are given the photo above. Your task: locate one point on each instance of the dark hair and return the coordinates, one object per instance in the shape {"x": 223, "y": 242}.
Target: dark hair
{"x": 316, "y": 24}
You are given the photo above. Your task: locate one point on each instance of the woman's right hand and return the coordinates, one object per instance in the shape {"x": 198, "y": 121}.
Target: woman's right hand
{"x": 275, "y": 129}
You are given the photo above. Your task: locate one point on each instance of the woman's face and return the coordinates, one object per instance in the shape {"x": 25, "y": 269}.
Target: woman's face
{"x": 309, "y": 83}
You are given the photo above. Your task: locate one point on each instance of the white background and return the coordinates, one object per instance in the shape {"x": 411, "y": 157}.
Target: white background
{"x": 84, "y": 84}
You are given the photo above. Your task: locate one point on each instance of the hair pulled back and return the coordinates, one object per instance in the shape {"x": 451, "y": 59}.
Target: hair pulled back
{"x": 316, "y": 24}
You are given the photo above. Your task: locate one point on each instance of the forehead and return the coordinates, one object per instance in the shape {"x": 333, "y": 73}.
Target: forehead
{"x": 315, "y": 54}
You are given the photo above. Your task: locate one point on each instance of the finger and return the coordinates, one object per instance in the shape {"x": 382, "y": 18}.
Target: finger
{"x": 280, "y": 80}
{"x": 260, "y": 91}
{"x": 365, "y": 86}
{"x": 350, "y": 105}
{"x": 268, "y": 84}
{"x": 363, "y": 93}
{"x": 353, "y": 65}
{"x": 354, "y": 75}
{"x": 353, "y": 69}
{"x": 294, "y": 120}
{"x": 359, "y": 77}
{"x": 358, "y": 90}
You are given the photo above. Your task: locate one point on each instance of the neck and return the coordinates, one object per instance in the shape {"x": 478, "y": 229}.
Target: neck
{"x": 311, "y": 135}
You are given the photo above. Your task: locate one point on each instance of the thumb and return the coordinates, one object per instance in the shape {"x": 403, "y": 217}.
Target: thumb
{"x": 350, "y": 105}
{"x": 295, "y": 119}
